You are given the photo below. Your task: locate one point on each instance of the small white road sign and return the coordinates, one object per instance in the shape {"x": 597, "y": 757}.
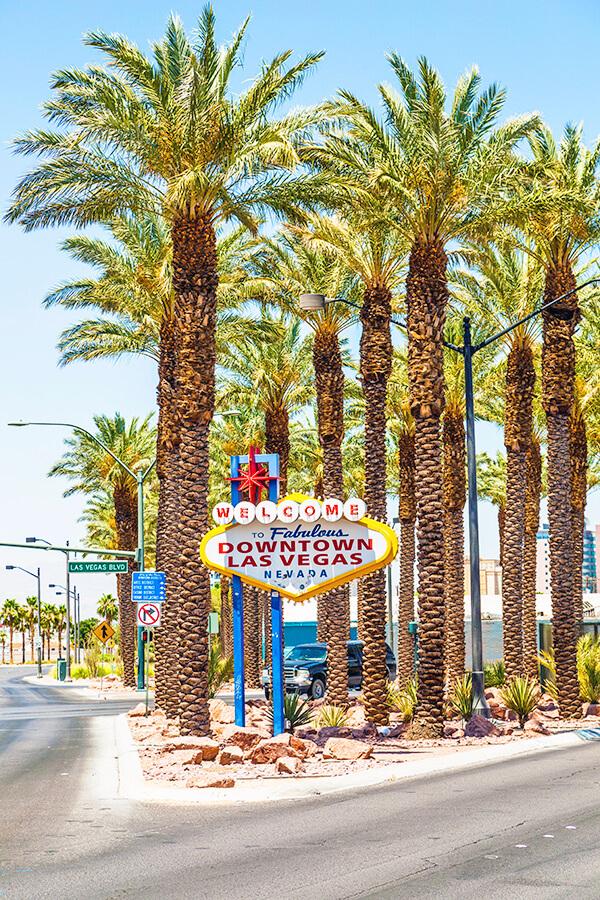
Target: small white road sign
{"x": 148, "y": 615}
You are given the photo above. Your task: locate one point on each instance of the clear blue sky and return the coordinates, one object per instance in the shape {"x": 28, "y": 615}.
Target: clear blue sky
{"x": 544, "y": 53}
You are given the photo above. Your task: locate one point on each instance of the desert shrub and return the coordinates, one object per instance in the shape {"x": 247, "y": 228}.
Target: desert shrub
{"x": 92, "y": 655}
{"x": 403, "y": 699}
{"x": 493, "y": 673}
{"x": 296, "y": 712}
{"x": 520, "y": 695}
{"x": 547, "y": 660}
{"x": 588, "y": 668}
{"x": 330, "y": 715}
{"x": 461, "y": 697}
{"x": 220, "y": 669}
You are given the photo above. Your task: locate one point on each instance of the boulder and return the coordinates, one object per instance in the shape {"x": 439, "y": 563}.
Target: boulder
{"x": 139, "y": 710}
{"x": 231, "y": 755}
{"x": 591, "y": 709}
{"x": 310, "y": 748}
{"x": 221, "y": 712}
{"x": 343, "y": 748}
{"x": 306, "y": 732}
{"x": 210, "y": 780}
{"x": 479, "y": 726}
{"x": 205, "y": 745}
{"x": 368, "y": 730}
{"x": 535, "y": 726}
{"x": 246, "y": 738}
{"x": 329, "y": 731}
{"x": 289, "y": 765}
{"x": 270, "y": 750}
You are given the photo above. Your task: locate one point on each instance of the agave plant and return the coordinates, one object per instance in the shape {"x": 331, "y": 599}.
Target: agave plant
{"x": 520, "y": 695}
{"x": 403, "y": 699}
{"x": 330, "y": 715}
{"x": 461, "y": 697}
{"x": 588, "y": 668}
{"x": 296, "y": 712}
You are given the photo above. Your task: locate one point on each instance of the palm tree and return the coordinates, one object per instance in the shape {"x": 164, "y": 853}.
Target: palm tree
{"x": 31, "y": 610}
{"x": 94, "y": 471}
{"x": 3, "y": 642}
{"x": 506, "y": 289}
{"x": 491, "y": 486}
{"x": 532, "y": 524}
{"x": 48, "y": 624}
{"x": 107, "y": 608}
{"x": 9, "y": 616}
{"x": 444, "y": 173}
{"x": 60, "y": 613}
{"x": 184, "y": 144}
{"x": 560, "y": 226}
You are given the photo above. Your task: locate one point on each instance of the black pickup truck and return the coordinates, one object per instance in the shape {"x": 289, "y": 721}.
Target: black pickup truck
{"x": 305, "y": 669}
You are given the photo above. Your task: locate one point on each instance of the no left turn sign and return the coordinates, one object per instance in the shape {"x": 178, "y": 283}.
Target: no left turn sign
{"x": 148, "y": 615}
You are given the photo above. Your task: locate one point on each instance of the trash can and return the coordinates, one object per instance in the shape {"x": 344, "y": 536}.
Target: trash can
{"x": 61, "y": 669}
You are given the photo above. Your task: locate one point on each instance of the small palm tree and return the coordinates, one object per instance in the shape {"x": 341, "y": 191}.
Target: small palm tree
{"x": 9, "y": 616}
{"x": 31, "y": 608}
{"x": 60, "y": 613}
{"x": 108, "y": 608}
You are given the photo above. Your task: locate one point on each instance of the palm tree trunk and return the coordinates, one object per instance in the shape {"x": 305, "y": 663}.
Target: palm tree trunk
{"x": 333, "y": 613}
{"x": 558, "y": 388}
{"x": 251, "y": 636}
{"x": 454, "y": 496}
{"x": 501, "y": 523}
{"x": 277, "y": 440}
{"x": 532, "y": 523}
{"x": 195, "y": 285}
{"x": 426, "y": 299}
{"x": 167, "y": 533}
{"x": 579, "y": 466}
{"x": 226, "y": 619}
{"x": 512, "y": 573}
{"x": 375, "y": 369}
{"x": 125, "y": 504}
{"x": 407, "y": 513}
{"x": 518, "y": 427}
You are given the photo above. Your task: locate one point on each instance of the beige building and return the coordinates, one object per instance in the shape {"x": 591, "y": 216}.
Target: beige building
{"x": 490, "y": 577}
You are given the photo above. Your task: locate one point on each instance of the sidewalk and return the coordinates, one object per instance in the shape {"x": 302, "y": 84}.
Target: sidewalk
{"x": 133, "y": 785}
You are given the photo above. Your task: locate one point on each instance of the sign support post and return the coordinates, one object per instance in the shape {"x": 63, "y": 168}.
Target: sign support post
{"x": 277, "y": 660}
{"x": 237, "y": 610}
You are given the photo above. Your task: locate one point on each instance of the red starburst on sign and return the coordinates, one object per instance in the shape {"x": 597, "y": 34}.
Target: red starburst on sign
{"x": 255, "y": 479}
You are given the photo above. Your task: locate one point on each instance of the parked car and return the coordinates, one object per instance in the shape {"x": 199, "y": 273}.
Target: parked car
{"x": 305, "y": 669}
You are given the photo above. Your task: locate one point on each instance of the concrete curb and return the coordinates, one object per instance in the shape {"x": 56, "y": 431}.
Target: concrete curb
{"x": 133, "y": 786}
{"x": 82, "y": 686}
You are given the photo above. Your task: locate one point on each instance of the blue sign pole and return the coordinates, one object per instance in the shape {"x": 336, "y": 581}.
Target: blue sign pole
{"x": 237, "y": 609}
{"x": 277, "y": 657}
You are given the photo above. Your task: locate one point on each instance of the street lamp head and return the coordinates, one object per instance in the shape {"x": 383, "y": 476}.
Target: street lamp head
{"x": 10, "y": 567}
{"x": 312, "y": 301}
{"x": 19, "y": 424}
{"x": 31, "y": 540}
{"x": 52, "y": 585}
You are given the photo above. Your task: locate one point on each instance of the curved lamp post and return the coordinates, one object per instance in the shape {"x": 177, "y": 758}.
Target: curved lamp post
{"x": 139, "y": 477}
{"x": 316, "y": 302}
{"x": 39, "y": 610}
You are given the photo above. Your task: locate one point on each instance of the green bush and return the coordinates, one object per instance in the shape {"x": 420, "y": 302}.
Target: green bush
{"x": 92, "y": 655}
{"x": 493, "y": 673}
{"x": 296, "y": 712}
{"x": 79, "y": 671}
{"x": 461, "y": 697}
{"x": 403, "y": 699}
{"x": 588, "y": 668}
{"x": 520, "y": 695}
{"x": 547, "y": 660}
{"x": 336, "y": 716}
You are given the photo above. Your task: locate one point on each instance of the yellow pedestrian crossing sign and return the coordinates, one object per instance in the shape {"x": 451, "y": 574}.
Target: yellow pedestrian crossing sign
{"x": 104, "y": 631}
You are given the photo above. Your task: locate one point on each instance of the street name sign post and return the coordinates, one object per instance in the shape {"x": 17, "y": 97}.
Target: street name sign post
{"x": 120, "y": 566}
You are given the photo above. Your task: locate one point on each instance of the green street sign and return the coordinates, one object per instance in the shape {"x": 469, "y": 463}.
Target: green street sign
{"x": 104, "y": 565}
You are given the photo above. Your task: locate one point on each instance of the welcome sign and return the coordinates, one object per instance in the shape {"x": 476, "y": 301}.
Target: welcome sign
{"x": 300, "y": 547}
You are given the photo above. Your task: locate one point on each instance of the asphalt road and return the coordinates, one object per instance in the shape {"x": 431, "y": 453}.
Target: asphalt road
{"x": 525, "y": 828}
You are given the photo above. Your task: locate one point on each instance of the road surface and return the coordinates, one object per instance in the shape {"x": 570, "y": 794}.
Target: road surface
{"x": 524, "y": 828}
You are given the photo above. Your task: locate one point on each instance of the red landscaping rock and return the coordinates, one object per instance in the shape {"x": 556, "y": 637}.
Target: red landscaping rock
{"x": 289, "y": 765}
{"x": 306, "y": 732}
{"x": 342, "y": 748}
{"x": 479, "y": 726}
{"x": 329, "y": 731}
{"x": 310, "y": 748}
{"x": 139, "y": 710}
{"x": 591, "y": 709}
{"x": 535, "y": 726}
{"x": 231, "y": 755}
{"x": 270, "y": 750}
{"x": 205, "y": 745}
{"x": 368, "y": 730}
{"x": 221, "y": 712}
{"x": 246, "y": 738}
{"x": 210, "y": 780}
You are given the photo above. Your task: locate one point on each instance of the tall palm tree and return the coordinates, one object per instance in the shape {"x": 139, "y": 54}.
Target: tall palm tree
{"x": 561, "y": 225}
{"x": 31, "y": 608}
{"x": 532, "y": 523}
{"x": 9, "y": 616}
{"x": 108, "y": 608}
{"x": 94, "y": 470}
{"x": 505, "y": 290}
{"x": 444, "y": 173}
{"x": 60, "y": 613}
{"x": 182, "y": 142}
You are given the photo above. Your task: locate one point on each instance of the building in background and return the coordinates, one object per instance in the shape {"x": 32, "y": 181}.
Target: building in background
{"x": 490, "y": 577}
{"x": 591, "y": 565}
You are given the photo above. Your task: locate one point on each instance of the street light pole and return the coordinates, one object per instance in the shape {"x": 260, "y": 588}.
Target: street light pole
{"x": 467, "y": 351}
{"x": 39, "y": 609}
{"x": 140, "y": 478}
